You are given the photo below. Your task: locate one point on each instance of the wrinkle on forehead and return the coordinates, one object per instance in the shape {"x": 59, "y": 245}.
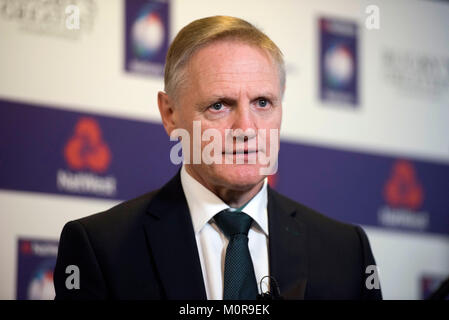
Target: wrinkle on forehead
{"x": 231, "y": 65}
{"x": 240, "y": 76}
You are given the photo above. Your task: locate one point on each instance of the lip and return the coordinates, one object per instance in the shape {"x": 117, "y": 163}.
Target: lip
{"x": 234, "y": 152}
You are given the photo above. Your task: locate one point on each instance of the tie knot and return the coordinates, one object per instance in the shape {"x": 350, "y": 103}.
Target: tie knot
{"x": 233, "y": 222}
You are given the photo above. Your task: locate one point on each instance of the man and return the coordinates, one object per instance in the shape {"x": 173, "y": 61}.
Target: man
{"x": 216, "y": 229}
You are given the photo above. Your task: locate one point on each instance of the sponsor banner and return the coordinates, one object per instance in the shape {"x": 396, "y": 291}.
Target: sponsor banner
{"x": 416, "y": 74}
{"x": 147, "y": 36}
{"x": 63, "y": 152}
{"x": 338, "y": 64}
{"x": 68, "y": 19}
{"x": 402, "y": 194}
{"x": 36, "y": 260}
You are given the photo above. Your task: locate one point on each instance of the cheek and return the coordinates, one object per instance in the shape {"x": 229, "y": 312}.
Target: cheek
{"x": 272, "y": 131}
{"x": 215, "y": 138}
{"x": 185, "y": 119}
{"x": 277, "y": 119}
{"x": 273, "y": 121}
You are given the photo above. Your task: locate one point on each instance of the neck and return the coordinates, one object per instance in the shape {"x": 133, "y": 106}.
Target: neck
{"x": 237, "y": 198}
{"x": 233, "y": 197}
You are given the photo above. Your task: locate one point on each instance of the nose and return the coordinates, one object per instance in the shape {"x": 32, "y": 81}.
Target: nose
{"x": 244, "y": 119}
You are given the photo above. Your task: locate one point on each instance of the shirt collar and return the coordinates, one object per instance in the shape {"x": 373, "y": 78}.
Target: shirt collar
{"x": 204, "y": 204}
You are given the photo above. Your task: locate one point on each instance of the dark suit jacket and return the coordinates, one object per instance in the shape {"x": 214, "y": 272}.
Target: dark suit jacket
{"x": 145, "y": 248}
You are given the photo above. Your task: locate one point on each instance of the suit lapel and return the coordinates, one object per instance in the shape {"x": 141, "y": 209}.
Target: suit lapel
{"x": 170, "y": 235}
{"x": 287, "y": 247}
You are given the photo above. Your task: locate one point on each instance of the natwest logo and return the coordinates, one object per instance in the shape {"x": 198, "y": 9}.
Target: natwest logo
{"x": 38, "y": 248}
{"x": 404, "y": 196}
{"x": 403, "y": 189}
{"x": 89, "y": 156}
{"x": 86, "y": 149}
{"x": 25, "y": 247}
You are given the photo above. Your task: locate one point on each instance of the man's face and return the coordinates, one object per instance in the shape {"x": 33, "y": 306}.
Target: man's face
{"x": 231, "y": 85}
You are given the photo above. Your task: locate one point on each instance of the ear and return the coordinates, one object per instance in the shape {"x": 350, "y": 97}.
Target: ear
{"x": 167, "y": 111}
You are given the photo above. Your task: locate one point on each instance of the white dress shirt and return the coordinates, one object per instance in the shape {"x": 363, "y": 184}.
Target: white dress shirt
{"x": 212, "y": 243}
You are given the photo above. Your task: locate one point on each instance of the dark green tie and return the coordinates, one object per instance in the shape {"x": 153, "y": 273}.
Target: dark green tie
{"x": 239, "y": 278}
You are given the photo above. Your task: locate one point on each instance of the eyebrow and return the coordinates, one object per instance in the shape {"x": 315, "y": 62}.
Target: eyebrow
{"x": 232, "y": 101}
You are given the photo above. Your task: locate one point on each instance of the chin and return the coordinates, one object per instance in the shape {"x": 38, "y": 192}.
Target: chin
{"x": 237, "y": 177}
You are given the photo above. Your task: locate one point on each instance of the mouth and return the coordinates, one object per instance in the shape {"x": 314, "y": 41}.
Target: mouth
{"x": 239, "y": 152}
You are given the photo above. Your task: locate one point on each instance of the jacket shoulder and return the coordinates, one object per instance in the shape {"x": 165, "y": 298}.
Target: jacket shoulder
{"x": 124, "y": 215}
{"x": 310, "y": 216}
{"x": 324, "y": 233}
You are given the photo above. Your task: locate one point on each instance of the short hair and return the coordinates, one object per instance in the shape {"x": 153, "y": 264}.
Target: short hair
{"x": 202, "y": 32}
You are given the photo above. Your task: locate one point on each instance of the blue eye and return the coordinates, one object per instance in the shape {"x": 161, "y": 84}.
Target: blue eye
{"x": 217, "y": 106}
{"x": 262, "y": 102}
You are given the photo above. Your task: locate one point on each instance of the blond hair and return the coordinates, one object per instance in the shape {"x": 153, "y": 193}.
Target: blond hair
{"x": 202, "y": 32}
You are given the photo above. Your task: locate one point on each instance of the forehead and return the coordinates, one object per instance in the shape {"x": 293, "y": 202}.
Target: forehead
{"x": 232, "y": 65}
